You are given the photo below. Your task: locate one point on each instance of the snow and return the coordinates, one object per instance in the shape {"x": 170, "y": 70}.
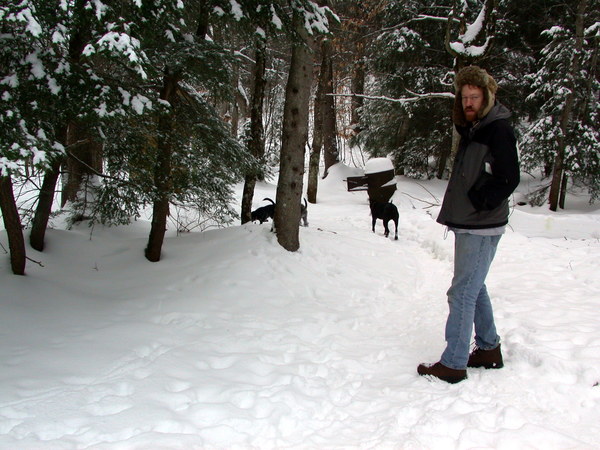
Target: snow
{"x": 233, "y": 342}
{"x": 53, "y": 86}
{"x": 25, "y": 15}
{"x": 121, "y": 42}
{"x": 471, "y": 50}
{"x": 471, "y": 33}
{"x": 88, "y": 50}
{"x": 37, "y": 67}
{"x": 593, "y": 30}
{"x": 275, "y": 20}
{"x": 7, "y": 165}
{"x": 376, "y": 165}
{"x": 100, "y": 8}
{"x": 236, "y": 10}
{"x": 39, "y": 156}
{"x": 315, "y": 17}
{"x": 474, "y": 29}
{"x": 10, "y": 80}
{"x": 554, "y": 31}
{"x": 139, "y": 102}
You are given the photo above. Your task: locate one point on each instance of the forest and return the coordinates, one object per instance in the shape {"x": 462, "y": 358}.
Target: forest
{"x": 108, "y": 107}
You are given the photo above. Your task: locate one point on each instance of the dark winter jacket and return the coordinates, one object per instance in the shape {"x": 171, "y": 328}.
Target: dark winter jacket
{"x": 485, "y": 173}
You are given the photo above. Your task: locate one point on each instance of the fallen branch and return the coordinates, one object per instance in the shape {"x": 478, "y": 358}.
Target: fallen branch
{"x": 39, "y": 263}
{"x": 430, "y": 193}
{"x": 27, "y": 257}
{"x": 431, "y": 204}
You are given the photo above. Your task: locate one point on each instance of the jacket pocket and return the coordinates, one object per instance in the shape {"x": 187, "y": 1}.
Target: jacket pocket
{"x": 477, "y": 193}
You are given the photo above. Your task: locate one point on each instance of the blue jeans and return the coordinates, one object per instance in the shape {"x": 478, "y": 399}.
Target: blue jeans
{"x": 468, "y": 299}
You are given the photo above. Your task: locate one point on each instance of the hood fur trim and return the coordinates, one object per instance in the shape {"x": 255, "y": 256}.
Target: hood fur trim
{"x": 474, "y": 76}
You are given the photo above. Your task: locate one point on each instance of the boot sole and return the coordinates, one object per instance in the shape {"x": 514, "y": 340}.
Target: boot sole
{"x": 487, "y": 366}
{"x": 451, "y": 380}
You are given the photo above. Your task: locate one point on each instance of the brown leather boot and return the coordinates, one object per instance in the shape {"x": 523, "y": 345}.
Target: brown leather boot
{"x": 490, "y": 359}
{"x": 442, "y": 372}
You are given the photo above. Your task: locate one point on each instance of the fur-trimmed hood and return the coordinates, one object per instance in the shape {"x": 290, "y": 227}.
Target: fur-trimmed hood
{"x": 474, "y": 76}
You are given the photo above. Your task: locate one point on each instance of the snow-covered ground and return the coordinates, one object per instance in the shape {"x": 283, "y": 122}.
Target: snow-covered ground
{"x": 231, "y": 342}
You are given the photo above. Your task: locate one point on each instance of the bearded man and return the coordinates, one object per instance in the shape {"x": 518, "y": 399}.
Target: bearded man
{"x": 476, "y": 209}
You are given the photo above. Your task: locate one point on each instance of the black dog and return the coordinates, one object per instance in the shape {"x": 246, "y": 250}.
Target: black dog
{"x": 264, "y": 212}
{"x": 385, "y": 212}
{"x": 267, "y": 212}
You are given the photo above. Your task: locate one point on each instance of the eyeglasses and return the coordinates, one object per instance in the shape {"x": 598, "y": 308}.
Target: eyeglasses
{"x": 473, "y": 98}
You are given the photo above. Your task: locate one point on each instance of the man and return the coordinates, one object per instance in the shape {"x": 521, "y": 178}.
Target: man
{"x": 475, "y": 208}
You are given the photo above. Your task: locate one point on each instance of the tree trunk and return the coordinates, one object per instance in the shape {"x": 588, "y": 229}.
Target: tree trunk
{"x": 293, "y": 142}
{"x": 357, "y": 27}
{"x": 448, "y": 154}
{"x": 256, "y": 143}
{"x": 44, "y": 206}
{"x": 317, "y": 142}
{"x": 401, "y": 134}
{"x": 557, "y": 175}
{"x": 358, "y": 88}
{"x": 235, "y": 110}
{"x": 559, "y": 160}
{"x": 84, "y": 160}
{"x": 162, "y": 169}
{"x": 12, "y": 224}
{"x": 162, "y": 172}
{"x": 330, "y": 149}
{"x": 85, "y": 155}
{"x": 442, "y": 162}
{"x": 563, "y": 192}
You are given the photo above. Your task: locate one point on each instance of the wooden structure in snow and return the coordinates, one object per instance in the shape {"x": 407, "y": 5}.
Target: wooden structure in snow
{"x": 378, "y": 180}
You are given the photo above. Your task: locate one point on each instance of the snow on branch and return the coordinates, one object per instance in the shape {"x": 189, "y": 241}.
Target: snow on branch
{"x": 418, "y": 18}
{"x": 315, "y": 16}
{"x": 470, "y": 50}
{"x": 470, "y": 33}
{"x": 415, "y": 97}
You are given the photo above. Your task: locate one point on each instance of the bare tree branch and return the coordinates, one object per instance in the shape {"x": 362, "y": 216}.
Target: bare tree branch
{"x": 419, "y": 18}
{"x": 416, "y": 97}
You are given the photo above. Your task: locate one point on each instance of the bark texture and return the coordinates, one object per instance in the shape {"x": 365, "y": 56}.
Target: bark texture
{"x": 12, "y": 224}
{"x": 256, "y": 144}
{"x": 293, "y": 142}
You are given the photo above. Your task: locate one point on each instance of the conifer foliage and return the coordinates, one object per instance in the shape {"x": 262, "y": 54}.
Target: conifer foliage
{"x": 127, "y": 103}
{"x": 564, "y": 134}
{"x": 53, "y": 73}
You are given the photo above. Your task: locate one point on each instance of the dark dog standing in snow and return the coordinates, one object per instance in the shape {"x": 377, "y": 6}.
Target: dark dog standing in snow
{"x": 267, "y": 212}
{"x": 385, "y": 212}
{"x": 264, "y": 212}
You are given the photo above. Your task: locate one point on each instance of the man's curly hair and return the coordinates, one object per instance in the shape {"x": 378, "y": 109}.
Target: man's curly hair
{"x": 473, "y": 76}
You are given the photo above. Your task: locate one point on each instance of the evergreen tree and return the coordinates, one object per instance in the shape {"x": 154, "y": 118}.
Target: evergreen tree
{"x": 564, "y": 132}
{"x": 44, "y": 83}
{"x": 308, "y": 20}
{"x": 400, "y": 117}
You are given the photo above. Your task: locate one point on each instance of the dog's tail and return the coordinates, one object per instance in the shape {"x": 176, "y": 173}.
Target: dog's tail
{"x": 268, "y": 199}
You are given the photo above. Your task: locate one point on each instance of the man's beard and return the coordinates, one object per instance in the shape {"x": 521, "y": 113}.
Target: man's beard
{"x": 470, "y": 115}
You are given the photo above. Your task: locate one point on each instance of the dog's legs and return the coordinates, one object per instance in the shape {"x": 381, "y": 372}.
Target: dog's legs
{"x": 396, "y": 237}
{"x": 386, "y": 228}
{"x": 373, "y": 224}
